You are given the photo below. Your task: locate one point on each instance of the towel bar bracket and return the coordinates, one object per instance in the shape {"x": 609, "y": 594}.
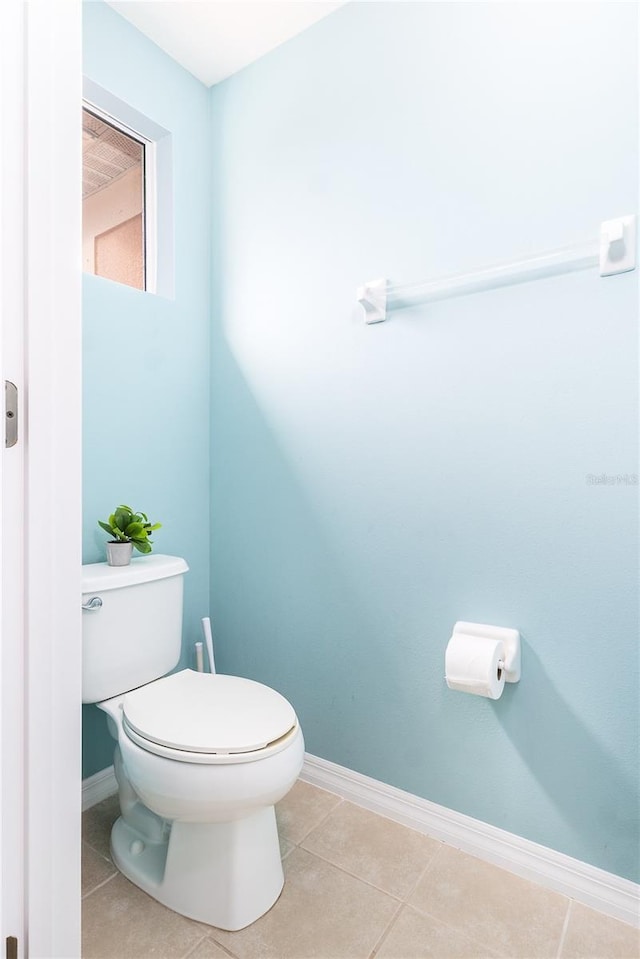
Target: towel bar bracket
{"x": 618, "y": 246}
{"x": 372, "y": 297}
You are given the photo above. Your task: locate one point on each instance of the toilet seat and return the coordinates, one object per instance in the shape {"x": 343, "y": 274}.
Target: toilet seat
{"x": 205, "y": 718}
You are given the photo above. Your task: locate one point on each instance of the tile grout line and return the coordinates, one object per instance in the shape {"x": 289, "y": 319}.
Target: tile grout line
{"x": 424, "y": 872}
{"x": 194, "y": 947}
{"x": 462, "y": 933}
{"x": 403, "y": 900}
{"x": 398, "y": 898}
{"x": 319, "y": 823}
{"x": 565, "y": 926}
{"x": 401, "y": 903}
{"x": 352, "y": 875}
{"x": 428, "y": 915}
{"x": 459, "y": 932}
{"x": 224, "y": 948}
{"x": 208, "y": 937}
{"x": 98, "y": 852}
{"x": 386, "y": 931}
{"x": 100, "y": 885}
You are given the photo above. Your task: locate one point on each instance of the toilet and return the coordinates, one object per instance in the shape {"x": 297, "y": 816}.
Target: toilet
{"x": 201, "y": 759}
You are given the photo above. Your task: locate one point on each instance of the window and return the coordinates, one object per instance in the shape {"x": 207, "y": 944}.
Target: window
{"x": 134, "y": 243}
{"x": 113, "y": 201}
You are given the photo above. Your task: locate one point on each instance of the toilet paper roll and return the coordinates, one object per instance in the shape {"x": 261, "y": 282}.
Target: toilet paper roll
{"x": 472, "y": 665}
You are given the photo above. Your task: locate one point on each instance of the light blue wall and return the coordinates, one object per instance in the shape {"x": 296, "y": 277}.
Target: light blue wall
{"x": 370, "y": 486}
{"x": 146, "y": 371}
{"x": 373, "y": 485}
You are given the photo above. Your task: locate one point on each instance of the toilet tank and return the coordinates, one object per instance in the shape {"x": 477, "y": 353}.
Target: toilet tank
{"x": 135, "y": 636}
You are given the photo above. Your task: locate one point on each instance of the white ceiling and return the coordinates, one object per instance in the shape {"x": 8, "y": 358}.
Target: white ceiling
{"x": 215, "y": 38}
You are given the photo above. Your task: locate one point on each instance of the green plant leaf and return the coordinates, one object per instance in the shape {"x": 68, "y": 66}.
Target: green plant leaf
{"x": 105, "y": 527}
{"x": 123, "y": 517}
{"x": 135, "y": 529}
{"x": 143, "y": 546}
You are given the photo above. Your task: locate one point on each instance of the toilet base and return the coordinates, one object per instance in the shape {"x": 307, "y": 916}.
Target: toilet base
{"x": 226, "y": 874}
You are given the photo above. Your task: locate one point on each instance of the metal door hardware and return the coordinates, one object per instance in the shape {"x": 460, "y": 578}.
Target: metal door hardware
{"x": 10, "y": 414}
{"x": 94, "y": 603}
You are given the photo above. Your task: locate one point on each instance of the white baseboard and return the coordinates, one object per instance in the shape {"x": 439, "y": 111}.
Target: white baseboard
{"x": 98, "y": 787}
{"x": 604, "y": 891}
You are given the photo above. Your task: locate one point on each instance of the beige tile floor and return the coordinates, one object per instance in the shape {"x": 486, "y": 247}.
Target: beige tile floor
{"x": 358, "y": 886}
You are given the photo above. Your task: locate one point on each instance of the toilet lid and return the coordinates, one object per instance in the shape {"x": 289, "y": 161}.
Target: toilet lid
{"x": 205, "y": 713}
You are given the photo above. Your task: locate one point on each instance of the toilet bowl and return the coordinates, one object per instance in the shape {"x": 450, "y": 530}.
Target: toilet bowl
{"x": 201, "y": 760}
{"x": 208, "y": 756}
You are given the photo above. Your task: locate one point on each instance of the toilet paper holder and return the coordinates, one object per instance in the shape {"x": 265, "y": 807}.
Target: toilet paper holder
{"x": 510, "y": 638}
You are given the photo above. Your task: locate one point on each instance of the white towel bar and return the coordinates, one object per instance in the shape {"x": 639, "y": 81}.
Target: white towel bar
{"x": 615, "y": 252}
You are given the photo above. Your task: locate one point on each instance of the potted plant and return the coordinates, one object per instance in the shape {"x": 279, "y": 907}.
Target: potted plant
{"x": 127, "y": 529}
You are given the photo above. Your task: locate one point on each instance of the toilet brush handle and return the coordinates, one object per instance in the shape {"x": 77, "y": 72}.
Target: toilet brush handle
{"x": 199, "y": 662}
{"x": 206, "y": 628}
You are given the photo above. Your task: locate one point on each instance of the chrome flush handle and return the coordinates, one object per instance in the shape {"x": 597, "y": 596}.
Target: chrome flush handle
{"x": 94, "y": 603}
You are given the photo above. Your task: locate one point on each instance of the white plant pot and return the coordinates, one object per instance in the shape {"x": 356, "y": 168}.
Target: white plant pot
{"x": 119, "y": 554}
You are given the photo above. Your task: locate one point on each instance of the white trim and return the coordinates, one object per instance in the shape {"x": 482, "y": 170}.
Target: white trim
{"x": 114, "y": 122}
{"x": 150, "y": 217}
{"x": 98, "y": 787}
{"x": 12, "y": 478}
{"x": 604, "y": 891}
{"x": 53, "y": 642}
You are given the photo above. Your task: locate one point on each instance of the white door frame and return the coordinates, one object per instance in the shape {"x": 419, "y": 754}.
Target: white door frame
{"x": 43, "y": 40}
{"x": 12, "y": 310}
